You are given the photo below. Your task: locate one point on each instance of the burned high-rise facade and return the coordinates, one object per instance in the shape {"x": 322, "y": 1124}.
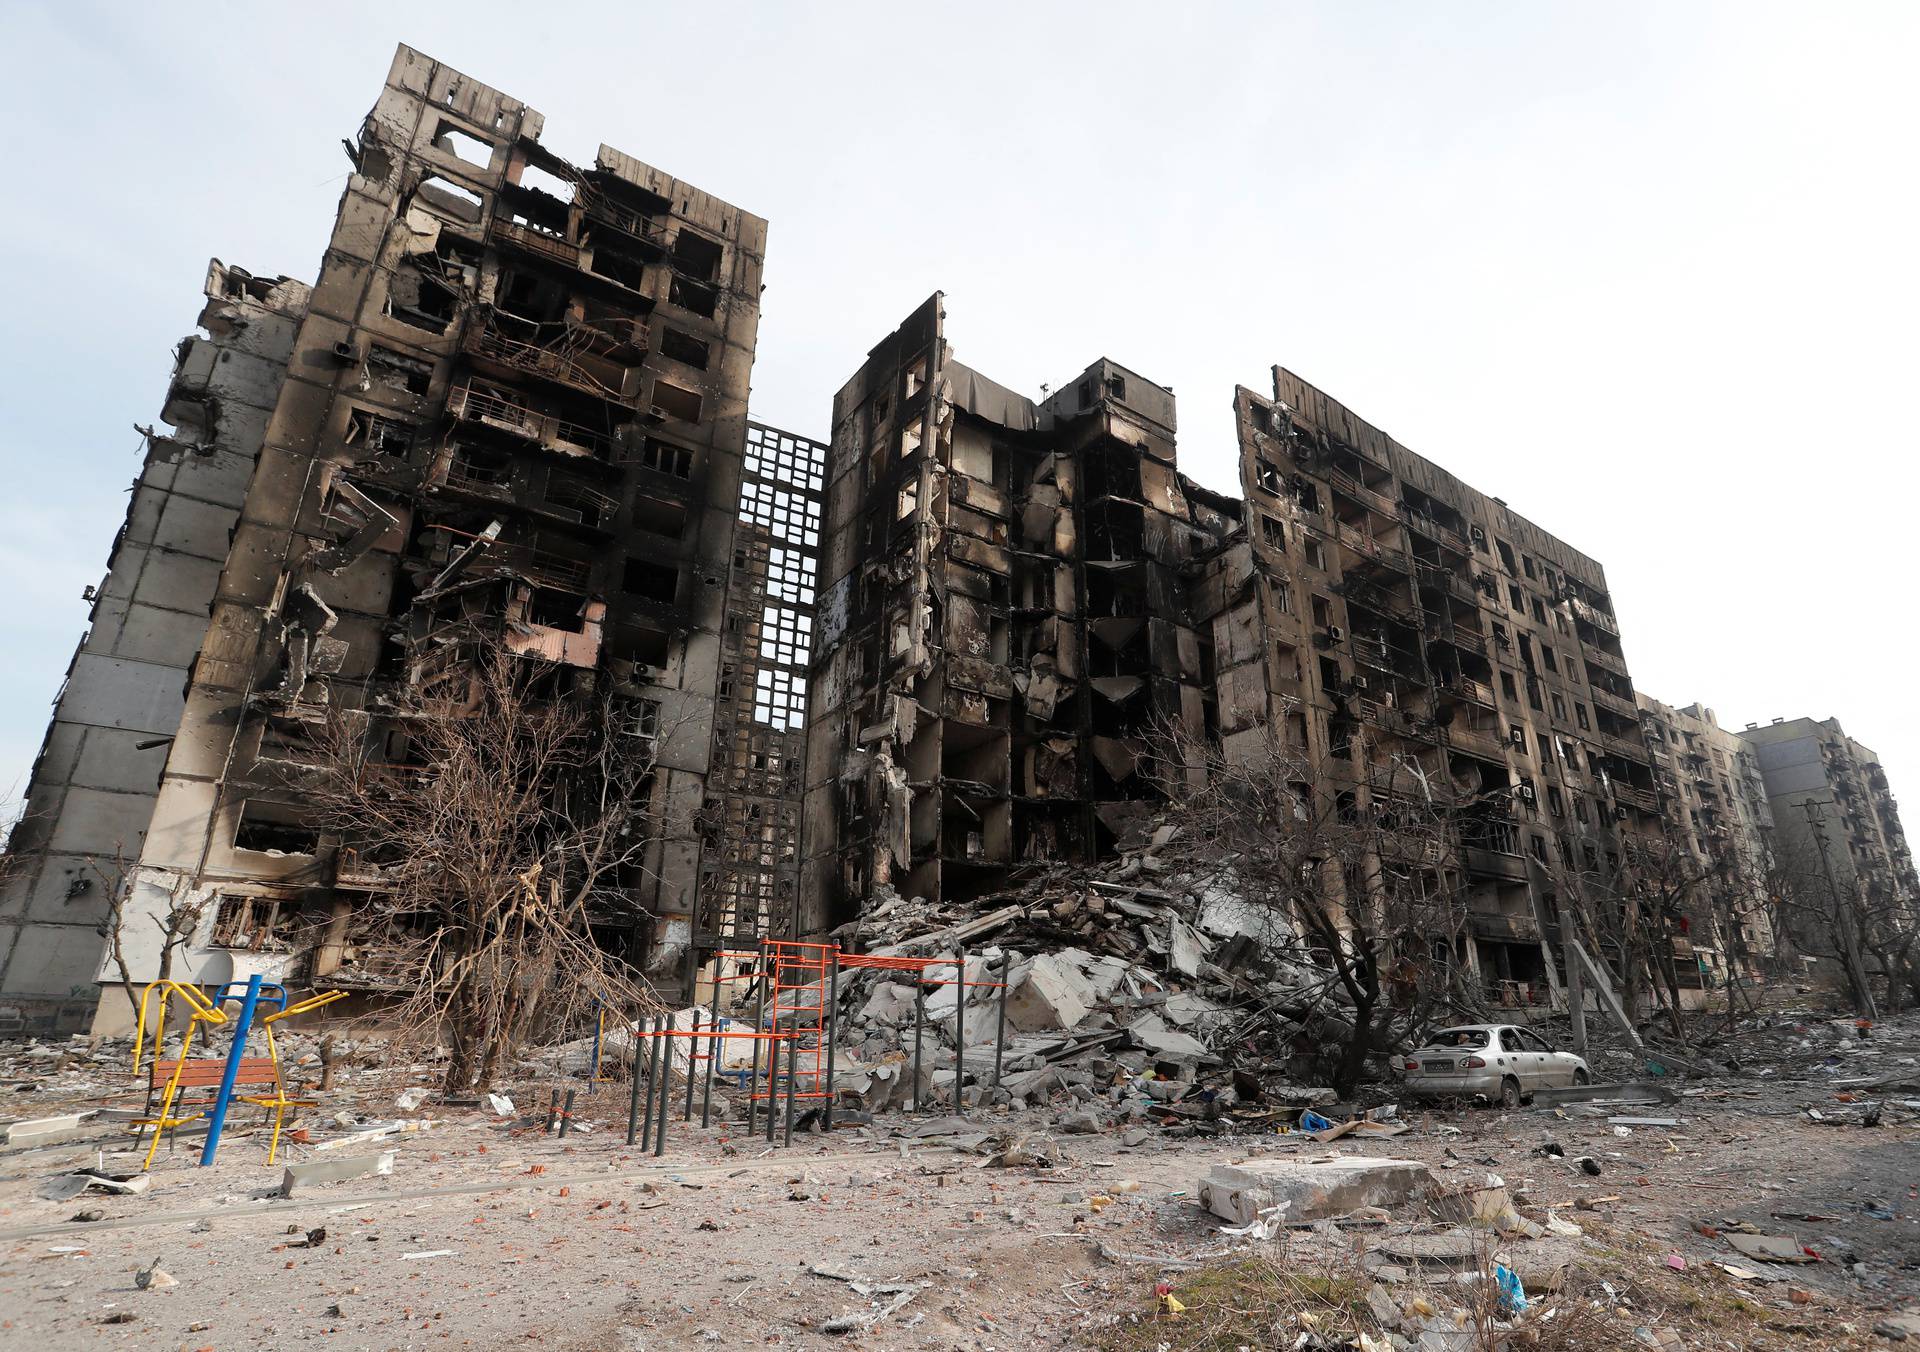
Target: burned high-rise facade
{"x": 510, "y": 415}
{"x": 1003, "y": 619}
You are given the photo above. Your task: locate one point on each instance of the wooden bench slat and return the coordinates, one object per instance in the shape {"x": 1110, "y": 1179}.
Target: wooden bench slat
{"x": 208, "y": 1074}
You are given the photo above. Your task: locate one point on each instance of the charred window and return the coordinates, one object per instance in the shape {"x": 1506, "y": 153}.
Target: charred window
{"x": 696, "y": 256}
{"x": 273, "y": 828}
{"x": 684, "y": 347}
{"x": 377, "y": 433}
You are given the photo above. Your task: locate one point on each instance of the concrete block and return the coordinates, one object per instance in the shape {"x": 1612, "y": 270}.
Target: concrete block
{"x": 19, "y": 1133}
{"x": 1167, "y": 1044}
{"x": 1052, "y": 995}
{"x": 1310, "y": 1189}
{"x": 334, "y": 1171}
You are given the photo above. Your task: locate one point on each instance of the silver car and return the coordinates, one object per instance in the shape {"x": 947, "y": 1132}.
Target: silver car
{"x": 1491, "y": 1061}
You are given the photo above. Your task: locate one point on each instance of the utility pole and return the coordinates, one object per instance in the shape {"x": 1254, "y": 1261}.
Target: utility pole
{"x": 1843, "y": 916}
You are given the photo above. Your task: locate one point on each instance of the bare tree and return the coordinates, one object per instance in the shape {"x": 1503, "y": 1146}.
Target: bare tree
{"x": 1352, "y": 854}
{"x": 509, "y": 816}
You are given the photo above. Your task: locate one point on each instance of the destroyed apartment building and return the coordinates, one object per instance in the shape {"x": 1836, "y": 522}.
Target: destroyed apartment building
{"x": 1016, "y": 596}
{"x": 1715, "y": 805}
{"x": 510, "y": 412}
{"x": 928, "y": 659}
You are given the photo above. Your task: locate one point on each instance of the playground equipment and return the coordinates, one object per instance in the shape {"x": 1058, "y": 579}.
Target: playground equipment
{"x": 225, "y": 1076}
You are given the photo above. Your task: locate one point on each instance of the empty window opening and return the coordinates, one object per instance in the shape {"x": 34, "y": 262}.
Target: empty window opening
{"x": 655, "y": 581}
{"x": 272, "y": 828}
{"x": 477, "y": 467}
{"x": 398, "y": 371}
{"x": 684, "y": 347}
{"x": 1273, "y": 532}
{"x": 450, "y": 199}
{"x": 674, "y": 402}
{"x": 659, "y": 516}
{"x": 535, "y": 179}
{"x": 623, "y": 268}
{"x": 907, "y": 502}
{"x": 555, "y": 609}
{"x": 1116, "y": 387}
{"x": 697, "y": 297}
{"x": 381, "y": 435}
{"x": 696, "y": 256}
{"x": 463, "y": 147}
{"x": 426, "y": 292}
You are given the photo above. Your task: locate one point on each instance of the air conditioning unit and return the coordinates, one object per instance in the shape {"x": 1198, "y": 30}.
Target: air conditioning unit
{"x": 1620, "y": 812}
{"x": 1517, "y": 737}
{"x": 1359, "y": 681}
{"x": 1526, "y": 792}
{"x": 1335, "y": 632}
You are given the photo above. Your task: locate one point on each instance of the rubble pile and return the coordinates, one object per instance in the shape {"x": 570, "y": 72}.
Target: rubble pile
{"x": 1133, "y": 988}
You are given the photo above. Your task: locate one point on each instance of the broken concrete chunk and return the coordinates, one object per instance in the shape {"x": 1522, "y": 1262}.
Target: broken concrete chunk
{"x": 1052, "y": 995}
{"x": 1166, "y": 1044}
{"x": 1309, "y": 1190}
{"x": 309, "y": 1175}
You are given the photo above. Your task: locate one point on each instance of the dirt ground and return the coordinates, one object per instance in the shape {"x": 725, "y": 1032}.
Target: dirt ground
{"x": 587, "y": 1244}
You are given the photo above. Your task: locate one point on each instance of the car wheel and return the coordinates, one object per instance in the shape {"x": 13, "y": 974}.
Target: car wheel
{"x": 1580, "y": 1076}
{"x": 1509, "y": 1093}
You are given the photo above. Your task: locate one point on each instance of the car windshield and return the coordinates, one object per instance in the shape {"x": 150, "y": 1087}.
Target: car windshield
{"x": 1459, "y": 1037}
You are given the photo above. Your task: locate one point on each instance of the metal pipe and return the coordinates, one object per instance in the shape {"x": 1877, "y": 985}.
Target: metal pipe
{"x": 666, "y": 1083}
{"x": 640, "y": 1115}
{"x": 566, "y": 1114}
{"x": 599, "y": 1028}
{"x": 553, "y": 1113}
{"x": 1000, "y": 1033}
{"x": 833, "y": 1008}
{"x": 759, "y": 1028}
{"x": 217, "y": 1119}
{"x": 693, "y": 1049}
{"x": 919, "y": 1033}
{"x": 713, "y": 1056}
{"x": 960, "y": 1031}
{"x": 793, "y": 1056}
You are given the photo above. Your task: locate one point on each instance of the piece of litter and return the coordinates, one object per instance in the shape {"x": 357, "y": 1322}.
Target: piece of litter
{"x": 430, "y": 1253}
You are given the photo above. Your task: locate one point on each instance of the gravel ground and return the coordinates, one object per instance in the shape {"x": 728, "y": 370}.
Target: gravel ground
{"x": 585, "y": 1244}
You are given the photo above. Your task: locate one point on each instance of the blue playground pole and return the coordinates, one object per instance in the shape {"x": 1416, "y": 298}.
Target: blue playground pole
{"x": 218, "y": 1118}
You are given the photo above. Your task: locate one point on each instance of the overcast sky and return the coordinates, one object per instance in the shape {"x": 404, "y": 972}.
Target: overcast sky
{"x": 1647, "y": 271}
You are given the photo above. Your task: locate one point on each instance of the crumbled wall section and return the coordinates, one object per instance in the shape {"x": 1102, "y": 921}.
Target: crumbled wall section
{"x": 94, "y": 783}
{"x": 515, "y": 413}
{"x": 1003, "y": 618}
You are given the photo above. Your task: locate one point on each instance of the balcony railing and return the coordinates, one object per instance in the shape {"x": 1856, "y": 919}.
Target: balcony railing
{"x": 1457, "y": 582}
{"x": 1635, "y": 797}
{"x": 1594, "y": 616}
{"x": 495, "y": 407}
{"x": 1603, "y": 659}
{"x": 1465, "y": 639}
{"x": 599, "y": 207}
{"x": 537, "y": 242}
{"x": 1432, "y": 528}
{"x": 1620, "y": 746}
{"x": 1366, "y": 497}
{"x": 1367, "y": 547}
{"x": 1606, "y": 699}
{"x": 539, "y": 565}
{"x": 1482, "y": 743}
{"x": 1479, "y": 692}
{"x": 572, "y": 369}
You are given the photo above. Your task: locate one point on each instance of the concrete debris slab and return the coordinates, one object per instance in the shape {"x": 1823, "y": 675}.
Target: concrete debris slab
{"x": 1770, "y": 1248}
{"x": 19, "y": 1133}
{"x": 1314, "y": 1189}
{"x": 300, "y": 1176}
